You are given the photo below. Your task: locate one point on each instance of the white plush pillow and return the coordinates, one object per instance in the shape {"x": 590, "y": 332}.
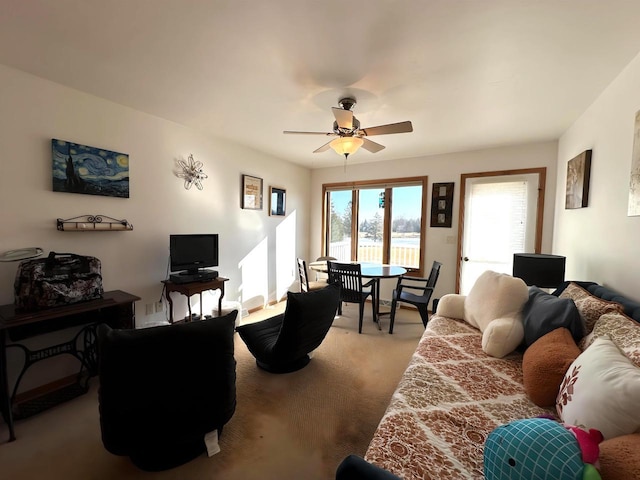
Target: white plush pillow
{"x": 494, "y": 305}
{"x": 601, "y": 390}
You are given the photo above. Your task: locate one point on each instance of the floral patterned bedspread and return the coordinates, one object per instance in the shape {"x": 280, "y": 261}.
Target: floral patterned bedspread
{"x": 449, "y": 399}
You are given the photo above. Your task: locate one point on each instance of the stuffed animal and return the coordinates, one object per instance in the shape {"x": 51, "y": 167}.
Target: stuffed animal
{"x": 494, "y": 306}
{"x": 543, "y": 449}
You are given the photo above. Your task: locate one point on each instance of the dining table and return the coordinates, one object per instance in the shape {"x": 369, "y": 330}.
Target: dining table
{"x": 375, "y": 271}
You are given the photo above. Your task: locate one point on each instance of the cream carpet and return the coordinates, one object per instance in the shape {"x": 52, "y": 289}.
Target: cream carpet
{"x": 293, "y": 426}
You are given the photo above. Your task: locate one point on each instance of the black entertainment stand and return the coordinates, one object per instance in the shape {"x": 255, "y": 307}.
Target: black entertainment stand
{"x": 193, "y": 276}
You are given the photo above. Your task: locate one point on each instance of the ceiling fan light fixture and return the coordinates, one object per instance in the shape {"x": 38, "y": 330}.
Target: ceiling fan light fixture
{"x": 346, "y": 145}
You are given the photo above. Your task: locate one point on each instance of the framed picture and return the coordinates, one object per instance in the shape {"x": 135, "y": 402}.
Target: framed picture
{"x": 442, "y": 205}
{"x": 251, "y": 192}
{"x": 89, "y": 170}
{"x": 277, "y": 201}
{"x": 578, "y": 172}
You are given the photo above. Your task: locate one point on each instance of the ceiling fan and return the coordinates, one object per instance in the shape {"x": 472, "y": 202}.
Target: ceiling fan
{"x": 350, "y": 136}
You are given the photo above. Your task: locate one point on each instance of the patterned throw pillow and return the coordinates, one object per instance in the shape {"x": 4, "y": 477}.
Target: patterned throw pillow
{"x": 624, "y": 331}
{"x": 589, "y": 306}
{"x": 574, "y": 292}
{"x": 601, "y": 390}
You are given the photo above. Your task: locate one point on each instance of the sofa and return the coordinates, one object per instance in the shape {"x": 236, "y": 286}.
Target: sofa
{"x": 453, "y": 394}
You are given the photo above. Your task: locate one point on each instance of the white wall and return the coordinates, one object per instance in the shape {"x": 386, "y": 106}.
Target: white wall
{"x": 601, "y": 241}
{"x": 440, "y": 168}
{"x": 257, "y": 251}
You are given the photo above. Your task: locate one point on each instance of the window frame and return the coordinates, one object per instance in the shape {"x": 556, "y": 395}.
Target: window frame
{"x": 388, "y": 185}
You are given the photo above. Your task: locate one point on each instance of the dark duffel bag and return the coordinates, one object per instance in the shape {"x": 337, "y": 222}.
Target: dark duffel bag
{"x": 59, "y": 279}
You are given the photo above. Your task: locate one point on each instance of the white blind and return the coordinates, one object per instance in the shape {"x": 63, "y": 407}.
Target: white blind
{"x": 498, "y": 218}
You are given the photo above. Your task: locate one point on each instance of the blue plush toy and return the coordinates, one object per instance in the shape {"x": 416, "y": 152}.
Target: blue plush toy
{"x": 541, "y": 449}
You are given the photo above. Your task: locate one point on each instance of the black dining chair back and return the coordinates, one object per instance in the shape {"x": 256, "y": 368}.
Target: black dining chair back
{"x": 305, "y": 284}
{"x": 415, "y": 291}
{"x": 302, "y": 273}
{"x": 348, "y": 276}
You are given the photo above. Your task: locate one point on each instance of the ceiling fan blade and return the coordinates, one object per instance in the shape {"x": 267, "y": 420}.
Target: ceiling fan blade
{"x": 323, "y": 148}
{"x": 343, "y": 117}
{"x": 401, "y": 127}
{"x": 308, "y": 133}
{"x": 373, "y": 147}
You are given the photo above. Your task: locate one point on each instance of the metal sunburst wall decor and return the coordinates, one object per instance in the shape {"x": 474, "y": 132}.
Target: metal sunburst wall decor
{"x": 191, "y": 172}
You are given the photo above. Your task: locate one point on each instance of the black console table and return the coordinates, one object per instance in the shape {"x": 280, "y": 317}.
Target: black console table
{"x": 116, "y": 308}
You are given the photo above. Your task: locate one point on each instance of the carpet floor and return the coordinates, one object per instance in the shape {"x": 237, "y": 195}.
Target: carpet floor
{"x": 294, "y": 426}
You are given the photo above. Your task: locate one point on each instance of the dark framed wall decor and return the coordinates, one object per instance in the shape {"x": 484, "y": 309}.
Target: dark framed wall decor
{"x": 251, "y": 192}
{"x": 277, "y": 201}
{"x": 442, "y": 205}
{"x": 578, "y": 174}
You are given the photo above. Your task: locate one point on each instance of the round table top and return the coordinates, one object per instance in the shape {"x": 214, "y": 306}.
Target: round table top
{"x": 369, "y": 270}
{"x": 382, "y": 271}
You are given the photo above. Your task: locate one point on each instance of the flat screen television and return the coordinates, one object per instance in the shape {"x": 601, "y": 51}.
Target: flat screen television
{"x": 191, "y": 252}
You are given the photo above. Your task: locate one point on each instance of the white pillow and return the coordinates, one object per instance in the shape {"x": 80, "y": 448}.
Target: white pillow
{"x": 601, "y": 390}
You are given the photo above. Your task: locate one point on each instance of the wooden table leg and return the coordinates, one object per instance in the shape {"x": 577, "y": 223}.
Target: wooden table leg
{"x": 220, "y": 300}
{"x": 4, "y": 384}
{"x": 167, "y": 294}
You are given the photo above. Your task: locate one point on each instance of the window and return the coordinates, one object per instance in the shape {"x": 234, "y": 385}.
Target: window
{"x": 381, "y": 221}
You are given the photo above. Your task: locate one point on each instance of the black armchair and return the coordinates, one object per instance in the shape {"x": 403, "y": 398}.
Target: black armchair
{"x": 282, "y": 344}
{"x": 349, "y": 277}
{"x": 357, "y": 468}
{"x": 406, "y": 289}
{"x": 163, "y": 388}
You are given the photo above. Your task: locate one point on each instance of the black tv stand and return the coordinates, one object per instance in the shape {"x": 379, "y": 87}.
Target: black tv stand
{"x": 190, "y": 276}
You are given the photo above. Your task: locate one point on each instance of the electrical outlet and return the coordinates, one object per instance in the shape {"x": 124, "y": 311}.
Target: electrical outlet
{"x": 159, "y": 306}
{"x": 149, "y": 309}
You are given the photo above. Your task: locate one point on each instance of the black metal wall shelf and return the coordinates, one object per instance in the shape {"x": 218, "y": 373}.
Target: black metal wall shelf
{"x": 93, "y": 223}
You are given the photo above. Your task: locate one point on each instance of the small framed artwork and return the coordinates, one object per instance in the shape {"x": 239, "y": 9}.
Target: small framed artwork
{"x": 251, "y": 192}
{"x": 578, "y": 173}
{"x": 277, "y": 201}
{"x": 442, "y": 205}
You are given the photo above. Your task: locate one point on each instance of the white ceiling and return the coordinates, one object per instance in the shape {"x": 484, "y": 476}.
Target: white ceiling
{"x": 468, "y": 73}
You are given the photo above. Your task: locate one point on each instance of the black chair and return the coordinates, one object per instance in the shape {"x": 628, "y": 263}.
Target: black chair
{"x": 163, "y": 388}
{"x": 305, "y": 284}
{"x": 349, "y": 277}
{"x": 323, "y": 275}
{"x": 405, "y": 292}
{"x": 357, "y": 468}
{"x": 282, "y": 344}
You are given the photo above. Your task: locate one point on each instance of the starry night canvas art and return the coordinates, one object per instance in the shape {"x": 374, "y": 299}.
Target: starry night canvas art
{"x": 89, "y": 170}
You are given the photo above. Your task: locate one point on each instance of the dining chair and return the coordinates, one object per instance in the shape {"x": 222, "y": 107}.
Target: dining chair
{"x": 349, "y": 277}
{"x": 416, "y": 291}
{"x": 305, "y": 284}
{"x": 322, "y": 275}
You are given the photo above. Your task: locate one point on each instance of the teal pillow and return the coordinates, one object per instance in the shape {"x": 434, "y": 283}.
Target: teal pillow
{"x": 532, "y": 448}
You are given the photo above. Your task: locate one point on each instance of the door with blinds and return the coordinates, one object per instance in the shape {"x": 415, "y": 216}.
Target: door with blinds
{"x": 501, "y": 215}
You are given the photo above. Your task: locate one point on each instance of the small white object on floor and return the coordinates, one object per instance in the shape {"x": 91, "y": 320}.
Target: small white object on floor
{"x": 211, "y": 441}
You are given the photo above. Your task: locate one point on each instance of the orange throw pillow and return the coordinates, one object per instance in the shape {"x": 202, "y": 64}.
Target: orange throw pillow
{"x": 545, "y": 363}
{"x": 620, "y": 457}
